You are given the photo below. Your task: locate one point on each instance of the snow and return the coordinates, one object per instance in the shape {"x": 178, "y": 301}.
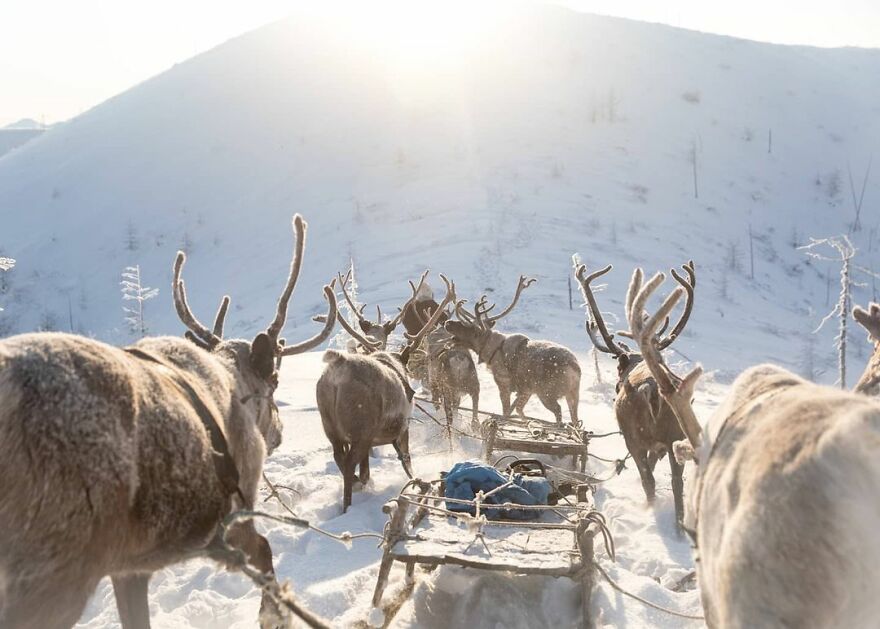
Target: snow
{"x": 338, "y": 582}
{"x": 562, "y": 133}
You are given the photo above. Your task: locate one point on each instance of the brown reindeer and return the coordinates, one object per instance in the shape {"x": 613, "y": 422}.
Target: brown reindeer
{"x": 785, "y": 496}
{"x": 120, "y": 462}
{"x": 365, "y": 400}
{"x": 648, "y": 425}
{"x": 518, "y": 364}
{"x": 446, "y": 366}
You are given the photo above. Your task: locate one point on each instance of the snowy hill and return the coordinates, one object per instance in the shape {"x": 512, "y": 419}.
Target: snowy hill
{"x": 18, "y": 133}
{"x": 541, "y": 133}
{"x": 561, "y": 132}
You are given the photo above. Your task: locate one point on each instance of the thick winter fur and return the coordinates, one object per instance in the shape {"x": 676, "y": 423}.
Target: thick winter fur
{"x": 364, "y": 401}
{"x": 786, "y": 506}
{"x": 452, "y": 374}
{"x": 107, "y": 467}
{"x": 649, "y": 426}
{"x": 525, "y": 367}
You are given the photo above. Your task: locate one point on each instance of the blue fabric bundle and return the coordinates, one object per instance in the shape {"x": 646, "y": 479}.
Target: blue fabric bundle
{"x": 465, "y": 479}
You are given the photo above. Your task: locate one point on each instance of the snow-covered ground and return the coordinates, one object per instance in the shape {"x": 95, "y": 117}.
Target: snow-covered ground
{"x": 338, "y": 583}
{"x": 628, "y": 143}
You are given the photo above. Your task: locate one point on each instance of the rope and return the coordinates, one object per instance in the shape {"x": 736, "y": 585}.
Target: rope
{"x": 614, "y": 584}
{"x": 267, "y": 583}
{"x": 445, "y": 426}
{"x": 295, "y": 520}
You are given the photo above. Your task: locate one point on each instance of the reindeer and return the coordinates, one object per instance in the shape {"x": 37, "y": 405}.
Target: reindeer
{"x": 378, "y": 330}
{"x": 648, "y": 425}
{"x": 447, "y": 366}
{"x": 365, "y": 400}
{"x": 120, "y": 462}
{"x": 518, "y": 364}
{"x": 786, "y": 494}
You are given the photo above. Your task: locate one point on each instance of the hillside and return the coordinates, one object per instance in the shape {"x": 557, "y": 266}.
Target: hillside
{"x": 560, "y": 133}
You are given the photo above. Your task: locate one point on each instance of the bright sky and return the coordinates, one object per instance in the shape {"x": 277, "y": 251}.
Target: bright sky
{"x": 61, "y": 57}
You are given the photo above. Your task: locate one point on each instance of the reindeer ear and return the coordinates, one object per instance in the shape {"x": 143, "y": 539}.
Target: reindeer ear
{"x": 263, "y": 356}
{"x": 389, "y": 326}
{"x": 365, "y": 325}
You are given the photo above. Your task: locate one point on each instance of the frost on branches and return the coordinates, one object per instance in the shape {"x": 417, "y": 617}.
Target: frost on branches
{"x": 134, "y": 290}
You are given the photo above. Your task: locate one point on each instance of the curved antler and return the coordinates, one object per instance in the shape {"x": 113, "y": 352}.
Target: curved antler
{"x": 274, "y": 329}
{"x": 688, "y": 285}
{"x": 368, "y": 345}
{"x": 522, "y": 283}
{"x": 178, "y": 292}
{"x": 677, "y": 393}
{"x": 594, "y": 320}
{"x": 320, "y": 337}
{"x": 220, "y": 318}
{"x": 463, "y": 315}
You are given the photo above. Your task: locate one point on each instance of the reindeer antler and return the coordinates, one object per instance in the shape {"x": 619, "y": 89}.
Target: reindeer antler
{"x": 274, "y": 329}
{"x": 678, "y": 394}
{"x": 324, "y": 334}
{"x": 688, "y": 285}
{"x": 220, "y": 318}
{"x": 522, "y": 283}
{"x": 595, "y": 321}
{"x": 203, "y": 336}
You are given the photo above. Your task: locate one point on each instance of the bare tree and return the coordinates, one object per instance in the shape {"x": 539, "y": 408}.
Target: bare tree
{"x": 134, "y": 290}
{"x": 845, "y": 252}
{"x": 857, "y": 204}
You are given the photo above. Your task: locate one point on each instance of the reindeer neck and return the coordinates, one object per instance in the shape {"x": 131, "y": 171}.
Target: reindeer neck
{"x": 493, "y": 342}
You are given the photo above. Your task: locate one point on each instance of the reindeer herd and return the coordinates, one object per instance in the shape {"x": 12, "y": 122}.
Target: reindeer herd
{"x": 120, "y": 461}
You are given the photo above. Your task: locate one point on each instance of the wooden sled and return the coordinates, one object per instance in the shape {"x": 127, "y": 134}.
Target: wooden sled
{"x": 421, "y": 530}
{"x": 536, "y": 437}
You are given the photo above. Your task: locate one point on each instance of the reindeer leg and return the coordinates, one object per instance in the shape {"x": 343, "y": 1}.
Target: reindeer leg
{"x": 572, "y": 399}
{"x": 677, "y": 488}
{"x": 553, "y": 406}
{"x": 244, "y": 537}
{"x": 448, "y": 412}
{"x": 519, "y": 404}
{"x": 475, "y": 412}
{"x": 504, "y": 392}
{"x": 401, "y": 446}
{"x": 132, "y": 604}
{"x": 348, "y": 478}
{"x": 641, "y": 460}
{"x": 365, "y": 469}
{"x": 339, "y": 455}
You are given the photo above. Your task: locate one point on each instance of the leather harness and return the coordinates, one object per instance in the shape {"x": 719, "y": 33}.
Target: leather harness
{"x": 224, "y": 465}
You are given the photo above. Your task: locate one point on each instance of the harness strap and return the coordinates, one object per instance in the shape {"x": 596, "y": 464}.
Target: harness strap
{"x": 487, "y": 361}
{"x": 224, "y": 465}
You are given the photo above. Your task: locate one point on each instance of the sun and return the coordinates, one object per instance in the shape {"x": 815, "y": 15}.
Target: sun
{"x": 418, "y": 31}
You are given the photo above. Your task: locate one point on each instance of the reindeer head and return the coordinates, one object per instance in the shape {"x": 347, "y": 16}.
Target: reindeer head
{"x": 377, "y": 331}
{"x": 370, "y": 346}
{"x": 255, "y": 363}
{"x": 626, "y": 357}
{"x": 473, "y": 329}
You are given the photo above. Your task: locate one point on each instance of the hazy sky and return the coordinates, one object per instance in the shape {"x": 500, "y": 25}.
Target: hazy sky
{"x": 61, "y": 57}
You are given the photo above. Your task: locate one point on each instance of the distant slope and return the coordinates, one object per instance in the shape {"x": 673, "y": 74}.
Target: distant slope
{"x": 565, "y": 133}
